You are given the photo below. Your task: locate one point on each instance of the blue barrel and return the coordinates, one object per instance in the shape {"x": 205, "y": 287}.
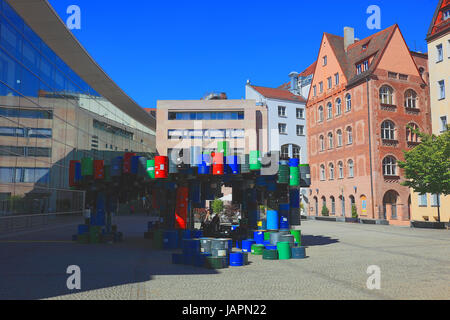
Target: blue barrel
{"x": 198, "y": 234}
{"x": 294, "y": 198}
{"x": 284, "y": 216}
{"x": 83, "y": 229}
{"x": 271, "y": 247}
{"x": 78, "y": 172}
{"x": 272, "y": 220}
{"x": 170, "y": 240}
{"x": 236, "y": 259}
{"x": 232, "y": 164}
{"x": 135, "y": 164}
{"x": 261, "y": 181}
{"x": 188, "y": 234}
{"x": 195, "y": 194}
{"x": 298, "y": 253}
{"x": 267, "y": 243}
{"x": 117, "y": 167}
{"x": 238, "y": 244}
{"x": 199, "y": 260}
{"x": 195, "y": 156}
{"x": 253, "y": 219}
{"x": 258, "y": 236}
{"x": 294, "y": 162}
{"x": 247, "y": 245}
{"x": 191, "y": 246}
{"x": 272, "y": 186}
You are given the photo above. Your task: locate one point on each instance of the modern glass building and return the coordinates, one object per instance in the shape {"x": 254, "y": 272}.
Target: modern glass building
{"x": 56, "y": 105}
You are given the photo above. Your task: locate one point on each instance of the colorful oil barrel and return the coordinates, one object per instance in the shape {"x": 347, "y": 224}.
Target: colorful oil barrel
{"x": 142, "y": 167}
{"x": 272, "y": 220}
{"x": 271, "y": 186}
{"x": 274, "y": 238}
{"x": 257, "y": 249}
{"x": 216, "y": 263}
{"x": 221, "y": 253}
{"x": 298, "y": 253}
{"x": 87, "y": 167}
{"x": 151, "y": 169}
{"x": 173, "y": 165}
{"x": 258, "y": 236}
{"x": 267, "y": 235}
{"x": 294, "y": 162}
{"x": 223, "y": 147}
{"x": 195, "y": 156}
{"x": 284, "y": 212}
{"x": 283, "y": 173}
{"x": 135, "y": 164}
{"x": 78, "y": 172}
{"x": 236, "y": 259}
{"x": 255, "y": 160}
{"x": 233, "y": 164}
{"x": 294, "y": 177}
{"x": 288, "y": 238}
{"x": 218, "y": 164}
{"x": 271, "y": 247}
{"x": 205, "y": 245}
{"x": 161, "y": 167}
{"x": 191, "y": 246}
{"x": 247, "y": 245}
{"x": 245, "y": 163}
{"x": 127, "y": 159}
{"x": 83, "y": 229}
{"x": 294, "y": 198}
{"x": 99, "y": 169}
{"x": 205, "y": 164}
{"x": 284, "y": 250}
{"x": 116, "y": 167}
{"x": 297, "y": 235}
{"x": 305, "y": 175}
{"x": 170, "y": 240}
{"x": 72, "y": 173}
{"x": 270, "y": 254}
{"x": 221, "y": 244}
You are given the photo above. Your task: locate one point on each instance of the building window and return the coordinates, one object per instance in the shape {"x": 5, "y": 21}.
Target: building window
{"x": 403, "y": 77}
{"x": 348, "y": 103}
{"x": 366, "y": 65}
{"x": 296, "y": 152}
{"x": 314, "y": 91}
{"x": 349, "y": 135}
{"x": 300, "y": 130}
{"x": 351, "y": 169}
{"x": 285, "y": 152}
{"x": 12, "y": 132}
{"x": 329, "y": 110}
{"x": 387, "y": 95}
{"x": 336, "y": 79}
{"x": 423, "y": 201}
{"x": 325, "y": 58}
{"x": 330, "y": 83}
{"x": 300, "y": 113}
{"x": 338, "y": 106}
{"x": 333, "y": 206}
{"x": 331, "y": 171}
{"x": 282, "y": 112}
{"x": 339, "y": 138}
{"x": 392, "y": 75}
{"x": 322, "y": 143}
{"x": 439, "y": 53}
{"x": 322, "y": 173}
{"x": 341, "y": 170}
{"x": 411, "y": 99}
{"x": 411, "y": 135}
{"x": 321, "y": 87}
{"x": 441, "y": 89}
{"x": 446, "y": 15}
{"x": 320, "y": 114}
{"x": 388, "y": 130}
{"x": 444, "y": 124}
{"x": 358, "y": 69}
{"x": 435, "y": 200}
{"x": 330, "y": 141}
{"x": 282, "y": 128}
{"x": 390, "y": 166}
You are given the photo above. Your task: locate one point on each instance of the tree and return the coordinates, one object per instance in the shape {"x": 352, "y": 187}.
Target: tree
{"x": 354, "y": 212}
{"x": 217, "y": 206}
{"x": 427, "y": 166}
{"x": 325, "y": 211}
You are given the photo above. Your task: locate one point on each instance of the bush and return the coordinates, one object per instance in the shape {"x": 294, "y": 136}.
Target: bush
{"x": 217, "y": 206}
{"x": 325, "y": 211}
{"x": 354, "y": 212}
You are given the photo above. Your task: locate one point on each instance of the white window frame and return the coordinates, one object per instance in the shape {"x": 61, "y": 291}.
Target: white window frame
{"x": 338, "y": 106}
{"x": 282, "y": 128}
{"x": 411, "y": 99}
{"x": 386, "y": 95}
{"x": 388, "y": 130}
{"x": 300, "y": 130}
{"x": 441, "y": 85}
{"x": 281, "y": 111}
{"x": 300, "y": 111}
{"x": 348, "y": 102}
{"x": 389, "y": 166}
{"x": 351, "y": 168}
{"x": 439, "y": 53}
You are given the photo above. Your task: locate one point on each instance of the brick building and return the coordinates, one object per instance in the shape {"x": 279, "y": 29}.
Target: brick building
{"x": 364, "y": 95}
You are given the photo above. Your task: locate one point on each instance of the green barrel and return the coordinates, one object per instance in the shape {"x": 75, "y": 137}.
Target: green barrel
{"x": 245, "y": 163}
{"x": 87, "y": 167}
{"x": 294, "y": 180}
{"x": 283, "y": 174}
{"x": 158, "y": 239}
{"x": 257, "y": 249}
{"x": 270, "y": 254}
{"x": 297, "y": 235}
{"x": 223, "y": 147}
{"x": 151, "y": 169}
{"x": 267, "y": 235}
{"x": 215, "y": 263}
{"x": 284, "y": 250}
{"x": 255, "y": 160}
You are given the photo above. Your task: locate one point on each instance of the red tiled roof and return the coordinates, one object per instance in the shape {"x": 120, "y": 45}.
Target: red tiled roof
{"x": 438, "y": 24}
{"x": 276, "y": 93}
{"x": 308, "y": 71}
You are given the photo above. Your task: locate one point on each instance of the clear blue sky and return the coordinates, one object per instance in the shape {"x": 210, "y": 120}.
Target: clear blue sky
{"x": 164, "y": 50}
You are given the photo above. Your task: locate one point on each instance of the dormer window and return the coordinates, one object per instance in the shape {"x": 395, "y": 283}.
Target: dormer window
{"x": 359, "y": 69}
{"x": 362, "y": 67}
{"x": 446, "y": 15}
{"x": 365, "y": 46}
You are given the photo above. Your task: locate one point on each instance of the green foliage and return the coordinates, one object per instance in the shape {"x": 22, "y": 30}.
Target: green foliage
{"x": 325, "y": 211}
{"x": 217, "y": 206}
{"x": 354, "y": 212}
{"x": 427, "y": 166}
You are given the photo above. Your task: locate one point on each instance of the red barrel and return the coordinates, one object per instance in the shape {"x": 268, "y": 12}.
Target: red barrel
{"x": 218, "y": 165}
{"x": 127, "y": 160}
{"x": 72, "y": 168}
{"x": 99, "y": 169}
{"x": 161, "y": 167}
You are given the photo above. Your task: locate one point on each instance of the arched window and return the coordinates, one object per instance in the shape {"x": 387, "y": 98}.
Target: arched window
{"x": 338, "y": 106}
{"x": 348, "y": 102}
{"x": 295, "y": 152}
{"x": 320, "y": 114}
{"x": 322, "y": 173}
{"x": 333, "y": 206}
{"x": 351, "y": 169}
{"x": 390, "y": 166}
{"x": 285, "y": 152}
{"x": 330, "y": 141}
{"x": 322, "y": 143}
{"x": 324, "y": 202}
{"x": 411, "y": 99}
{"x": 341, "y": 170}
{"x": 387, "y": 95}
{"x": 411, "y": 135}
{"x": 339, "y": 138}
{"x": 349, "y": 135}
{"x": 329, "y": 110}
{"x": 331, "y": 171}
{"x": 388, "y": 130}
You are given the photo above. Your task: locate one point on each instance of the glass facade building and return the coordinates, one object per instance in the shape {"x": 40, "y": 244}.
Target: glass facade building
{"x": 48, "y": 117}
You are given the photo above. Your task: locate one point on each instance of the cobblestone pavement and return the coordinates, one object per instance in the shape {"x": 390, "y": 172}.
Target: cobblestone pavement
{"x": 415, "y": 264}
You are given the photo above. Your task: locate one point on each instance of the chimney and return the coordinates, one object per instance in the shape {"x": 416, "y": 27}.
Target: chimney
{"x": 349, "y": 37}
{"x": 294, "y": 81}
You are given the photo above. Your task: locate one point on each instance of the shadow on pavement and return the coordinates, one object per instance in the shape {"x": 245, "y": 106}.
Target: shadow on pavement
{"x": 310, "y": 241}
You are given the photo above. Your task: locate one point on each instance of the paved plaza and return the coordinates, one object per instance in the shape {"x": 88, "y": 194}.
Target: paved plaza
{"x": 414, "y": 263}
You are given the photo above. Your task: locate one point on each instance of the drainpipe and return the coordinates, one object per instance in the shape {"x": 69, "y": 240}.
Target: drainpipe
{"x": 370, "y": 146}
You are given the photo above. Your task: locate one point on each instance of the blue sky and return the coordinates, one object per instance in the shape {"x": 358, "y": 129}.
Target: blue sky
{"x": 171, "y": 50}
